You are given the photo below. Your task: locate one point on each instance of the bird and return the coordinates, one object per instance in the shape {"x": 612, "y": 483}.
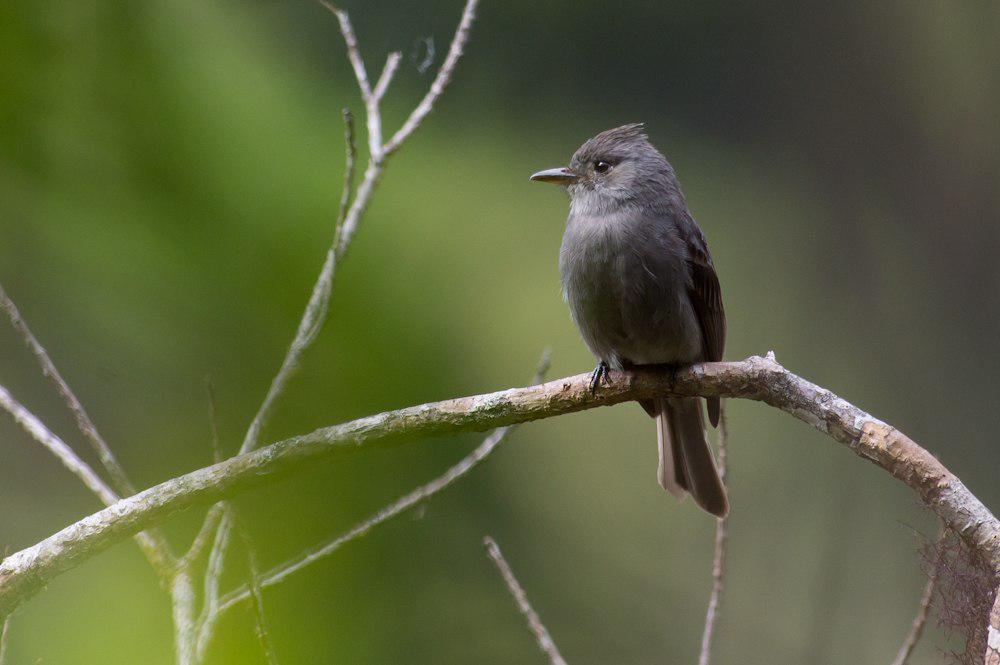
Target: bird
{"x": 642, "y": 289}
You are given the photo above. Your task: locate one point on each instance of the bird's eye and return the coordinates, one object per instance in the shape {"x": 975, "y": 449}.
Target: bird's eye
{"x": 602, "y": 166}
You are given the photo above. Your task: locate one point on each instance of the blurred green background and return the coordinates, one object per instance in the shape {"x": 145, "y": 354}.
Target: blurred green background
{"x": 169, "y": 174}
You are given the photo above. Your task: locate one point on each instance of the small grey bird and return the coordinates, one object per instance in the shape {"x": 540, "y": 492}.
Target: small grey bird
{"x": 642, "y": 289}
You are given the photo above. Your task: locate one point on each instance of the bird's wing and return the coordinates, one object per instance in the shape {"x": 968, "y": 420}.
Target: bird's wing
{"x": 706, "y": 296}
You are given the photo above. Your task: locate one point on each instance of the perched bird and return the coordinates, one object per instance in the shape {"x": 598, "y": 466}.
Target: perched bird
{"x": 642, "y": 289}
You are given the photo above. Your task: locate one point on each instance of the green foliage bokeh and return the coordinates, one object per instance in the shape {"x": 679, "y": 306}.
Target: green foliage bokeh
{"x": 169, "y": 175}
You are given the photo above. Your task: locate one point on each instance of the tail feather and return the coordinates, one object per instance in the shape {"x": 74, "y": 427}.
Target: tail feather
{"x": 686, "y": 461}
{"x": 669, "y": 472}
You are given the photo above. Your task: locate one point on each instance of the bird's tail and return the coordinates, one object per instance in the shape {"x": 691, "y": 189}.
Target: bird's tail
{"x": 686, "y": 462}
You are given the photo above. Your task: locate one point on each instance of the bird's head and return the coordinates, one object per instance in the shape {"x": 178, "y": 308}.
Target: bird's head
{"x": 616, "y": 168}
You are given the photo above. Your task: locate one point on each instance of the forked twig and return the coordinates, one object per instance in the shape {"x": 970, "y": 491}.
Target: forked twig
{"x": 545, "y": 642}
{"x": 309, "y": 326}
{"x": 213, "y": 573}
{"x": 37, "y": 430}
{"x": 721, "y": 547}
{"x": 204, "y": 536}
{"x": 118, "y": 477}
{"x": 347, "y": 223}
{"x": 153, "y": 544}
{"x": 213, "y": 421}
{"x": 278, "y": 573}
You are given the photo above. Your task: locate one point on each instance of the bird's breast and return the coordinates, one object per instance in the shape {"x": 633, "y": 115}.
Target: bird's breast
{"x": 625, "y": 279}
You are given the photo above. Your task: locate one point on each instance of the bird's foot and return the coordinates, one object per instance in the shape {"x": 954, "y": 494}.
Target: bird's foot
{"x": 599, "y": 374}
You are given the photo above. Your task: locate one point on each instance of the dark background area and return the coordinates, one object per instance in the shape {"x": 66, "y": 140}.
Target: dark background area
{"x": 169, "y": 174}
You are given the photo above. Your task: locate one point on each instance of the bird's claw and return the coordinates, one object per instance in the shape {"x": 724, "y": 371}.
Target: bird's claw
{"x": 599, "y": 374}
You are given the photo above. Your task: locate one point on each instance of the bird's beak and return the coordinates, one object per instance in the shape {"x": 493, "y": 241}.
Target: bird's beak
{"x": 560, "y": 176}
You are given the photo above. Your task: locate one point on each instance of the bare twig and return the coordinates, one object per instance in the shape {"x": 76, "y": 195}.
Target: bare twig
{"x": 182, "y": 599}
{"x": 721, "y": 542}
{"x": 424, "y": 492}
{"x": 263, "y": 635}
{"x": 388, "y": 71}
{"x": 370, "y": 97}
{"x": 216, "y": 564}
{"x": 348, "y": 218}
{"x": 213, "y": 420}
{"x": 350, "y": 166}
{"x": 43, "y": 435}
{"x": 118, "y": 477}
{"x": 153, "y": 544}
{"x": 917, "y": 628}
{"x": 309, "y": 327}
{"x": 316, "y": 308}
{"x": 545, "y": 642}
{"x": 441, "y": 81}
{"x": 40, "y": 433}
{"x": 4, "y": 632}
{"x": 351, "y": 41}
{"x": 378, "y": 152}
{"x": 204, "y": 536}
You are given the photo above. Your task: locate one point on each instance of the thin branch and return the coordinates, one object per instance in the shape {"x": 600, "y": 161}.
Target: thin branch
{"x": 441, "y": 81}
{"x": 280, "y": 572}
{"x": 153, "y": 544}
{"x": 118, "y": 477}
{"x": 263, "y": 635}
{"x": 37, "y": 430}
{"x": 370, "y": 98}
{"x": 721, "y": 546}
{"x": 762, "y": 379}
{"x": 40, "y": 433}
{"x": 216, "y": 564}
{"x": 388, "y": 71}
{"x": 378, "y": 152}
{"x": 4, "y": 634}
{"x": 309, "y": 327}
{"x": 347, "y": 222}
{"x": 545, "y": 642}
{"x": 204, "y": 536}
{"x": 350, "y": 165}
{"x": 917, "y": 628}
{"x": 182, "y": 599}
{"x": 213, "y": 421}
{"x": 353, "y": 53}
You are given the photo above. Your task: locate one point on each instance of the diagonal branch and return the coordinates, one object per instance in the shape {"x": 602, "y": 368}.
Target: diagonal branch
{"x": 545, "y": 641}
{"x": 216, "y": 564}
{"x": 118, "y": 477}
{"x": 315, "y": 312}
{"x": 43, "y": 435}
{"x": 280, "y": 572}
{"x": 763, "y": 379}
{"x": 348, "y": 220}
{"x": 153, "y": 544}
{"x": 353, "y": 52}
{"x": 388, "y": 71}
